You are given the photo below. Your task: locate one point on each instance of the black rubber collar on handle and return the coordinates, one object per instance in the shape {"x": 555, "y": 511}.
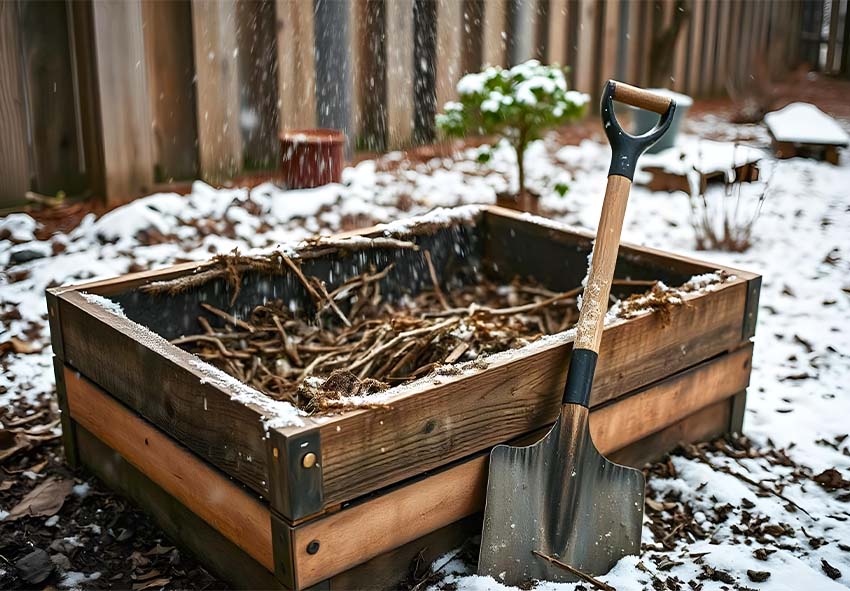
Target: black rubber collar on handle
{"x": 626, "y": 148}
{"x": 580, "y": 377}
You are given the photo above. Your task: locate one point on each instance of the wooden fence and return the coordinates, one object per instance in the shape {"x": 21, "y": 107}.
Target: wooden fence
{"x": 120, "y": 98}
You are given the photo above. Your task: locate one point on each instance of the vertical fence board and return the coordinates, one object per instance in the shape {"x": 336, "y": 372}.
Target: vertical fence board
{"x": 680, "y": 59}
{"x": 695, "y": 65}
{"x": 127, "y": 145}
{"x": 634, "y": 43}
{"x": 14, "y": 164}
{"x": 494, "y": 34}
{"x": 296, "y": 64}
{"x": 522, "y": 41}
{"x": 424, "y": 70}
{"x": 706, "y": 77}
{"x": 834, "y": 15}
{"x": 55, "y": 148}
{"x": 557, "y": 37}
{"x": 585, "y": 63}
{"x": 256, "y": 35}
{"x": 609, "y": 42}
{"x": 472, "y": 50}
{"x": 724, "y": 40}
{"x": 449, "y": 35}
{"x": 217, "y": 79}
{"x": 170, "y": 69}
{"x": 399, "y": 72}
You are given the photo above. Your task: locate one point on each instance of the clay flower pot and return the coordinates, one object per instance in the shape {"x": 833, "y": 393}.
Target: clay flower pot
{"x": 311, "y": 157}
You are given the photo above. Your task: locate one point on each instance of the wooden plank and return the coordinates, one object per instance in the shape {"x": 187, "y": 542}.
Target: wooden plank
{"x": 158, "y": 381}
{"x": 680, "y": 51}
{"x": 126, "y": 139}
{"x": 170, "y": 69}
{"x": 473, "y": 36}
{"x": 224, "y": 505}
{"x": 724, "y": 40}
{"x": 399, "y": 47}
{"x": 390, "y": 570}
{"x": 217, "y": 80}
{"x": 522, "y": 39}
{"x": 558, "y": 38}
{"x": 610, "y": 41}
{"x": 56, "y": 153}
{"x": 709, "y": 62}
{"x": 449, "y": 35}
{"x": 695, "y": 64}
{"x": 495, "y": 50}
{"x": 401, "y": 515}
{"x": 215, "y": 551}
{"x": 704, "y": 425}
{"x": 296, "y": 64}
{"x": 585, "y": 66}
{"x": 259, "y": 121}
{"x": 14, "y": 165}
{"x": 425, "y": 49}
{"x": 634, "y": 40}
{"x": 832, "y": 40}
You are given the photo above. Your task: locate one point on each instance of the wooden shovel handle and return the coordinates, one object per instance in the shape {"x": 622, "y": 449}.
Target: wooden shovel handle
{"x": 640, "y": 98}
{"x": 594, "y": 302}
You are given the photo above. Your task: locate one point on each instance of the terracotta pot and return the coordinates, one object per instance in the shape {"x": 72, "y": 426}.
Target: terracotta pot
{"x": 311, "y": 157}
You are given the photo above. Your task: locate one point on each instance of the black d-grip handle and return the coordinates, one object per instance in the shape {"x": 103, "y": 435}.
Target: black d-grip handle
{"x": 626, "y": 148}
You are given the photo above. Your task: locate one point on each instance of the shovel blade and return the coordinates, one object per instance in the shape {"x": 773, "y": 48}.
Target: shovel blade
{"x": 562, "y": 498}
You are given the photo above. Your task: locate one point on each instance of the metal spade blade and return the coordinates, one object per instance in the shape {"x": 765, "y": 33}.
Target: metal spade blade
{"x": 562, "y": 498}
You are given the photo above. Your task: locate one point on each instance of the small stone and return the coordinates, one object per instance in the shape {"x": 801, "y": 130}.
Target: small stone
{"x": 758, "y": 576}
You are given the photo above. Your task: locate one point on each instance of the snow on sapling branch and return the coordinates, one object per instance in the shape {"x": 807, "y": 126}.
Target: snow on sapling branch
{"x": 519, "y": 104}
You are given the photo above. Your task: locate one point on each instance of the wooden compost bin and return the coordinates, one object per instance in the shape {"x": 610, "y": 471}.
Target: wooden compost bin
{"x": 389, "y": 482}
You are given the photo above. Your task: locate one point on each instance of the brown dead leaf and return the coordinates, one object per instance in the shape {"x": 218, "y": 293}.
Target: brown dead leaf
{"x": 38, "y": 467}
{"x": 832, "y": 479}
{"x": 23, "y": 347}
{"x": 158, "y": 550}
{"x": 6, "y": 485}
{"x": 44, "y": 500}
{"x": 11, "y": 442}
{"x": 138, "y": 560}
{"x": 160, "y": 582}
{"x": 660, "y": 506}
{"x": 145, "y": 576}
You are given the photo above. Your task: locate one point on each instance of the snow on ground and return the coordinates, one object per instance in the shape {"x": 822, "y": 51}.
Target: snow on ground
{"x": 798, "y": 398}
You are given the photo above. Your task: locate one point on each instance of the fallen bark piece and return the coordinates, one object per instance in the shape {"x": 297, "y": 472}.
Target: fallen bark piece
{"x": 758, "y": 576}
{"x": 44, "y": 500}
{"x": 832, "y": 572}
{"x": 35, "y": 567}
{"x": 832, "y": 479}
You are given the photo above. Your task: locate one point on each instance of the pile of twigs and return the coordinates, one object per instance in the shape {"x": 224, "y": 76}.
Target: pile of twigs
{"x": 360, "y": 343}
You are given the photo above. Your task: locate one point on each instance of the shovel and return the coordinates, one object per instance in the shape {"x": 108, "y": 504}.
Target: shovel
{"x": 560, "y": 500}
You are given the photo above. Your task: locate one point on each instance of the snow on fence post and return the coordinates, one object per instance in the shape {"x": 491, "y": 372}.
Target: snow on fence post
{"x": 217, "y": 75}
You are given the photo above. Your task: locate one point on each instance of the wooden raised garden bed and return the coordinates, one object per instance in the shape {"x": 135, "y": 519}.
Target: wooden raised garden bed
{"x": 348, "y": 499}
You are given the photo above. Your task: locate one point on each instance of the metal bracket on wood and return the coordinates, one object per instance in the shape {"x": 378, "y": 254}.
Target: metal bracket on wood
{"x": 54, "y": 323}
{"x": 283, "y": 551}
{"x": 751, "y": 308}
{"x": 736, "y": 417}
{"x": 295, "y": 473}
{"x": 69, "y": 427}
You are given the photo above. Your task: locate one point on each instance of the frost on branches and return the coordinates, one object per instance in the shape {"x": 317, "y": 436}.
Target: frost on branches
{"x": 519, "y": 104}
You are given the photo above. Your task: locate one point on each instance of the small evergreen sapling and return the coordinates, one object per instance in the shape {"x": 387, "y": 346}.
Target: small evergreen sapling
{"x": 519, "y": 104}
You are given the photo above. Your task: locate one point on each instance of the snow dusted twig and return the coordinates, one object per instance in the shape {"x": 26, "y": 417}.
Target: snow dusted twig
{"x": 572, "y": 570}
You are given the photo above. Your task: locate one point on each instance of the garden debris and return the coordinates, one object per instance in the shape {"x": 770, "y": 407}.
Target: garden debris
{"x": 375, "y": 343}
{"x": 361, "y": 342}
{"x": 832, "y": 572}
{"x": 35, "y": 567}
{"x": 831, "y": 479}
{"x": 44, "y": 500}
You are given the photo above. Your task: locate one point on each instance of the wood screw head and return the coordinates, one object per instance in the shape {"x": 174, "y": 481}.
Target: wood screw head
{"x": 309, "y": 460}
